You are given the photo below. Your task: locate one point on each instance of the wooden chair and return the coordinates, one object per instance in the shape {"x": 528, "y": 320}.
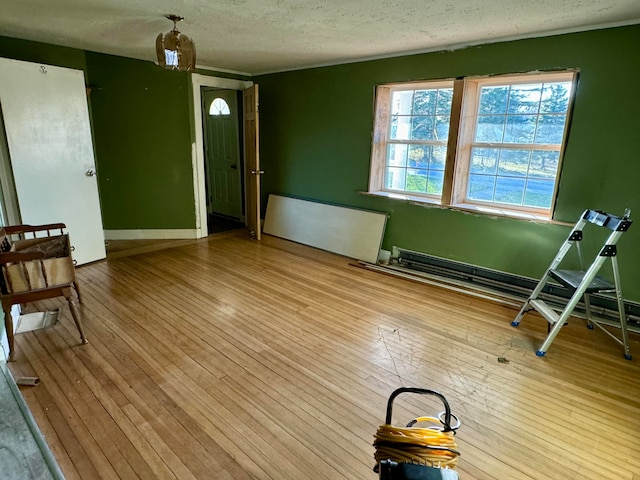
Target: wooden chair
{"x": 36, "y": 264}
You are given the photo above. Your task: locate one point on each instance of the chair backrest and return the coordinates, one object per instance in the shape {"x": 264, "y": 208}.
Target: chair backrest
{"x": 34, "y": 263}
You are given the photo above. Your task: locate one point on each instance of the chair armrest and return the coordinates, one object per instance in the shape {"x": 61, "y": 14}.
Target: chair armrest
{"x": 21, "y": 229}
{"x": 15, "y": 257}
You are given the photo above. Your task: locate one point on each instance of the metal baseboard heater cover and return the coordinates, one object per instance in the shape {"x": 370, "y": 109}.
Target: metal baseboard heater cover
{"x": 510, "y": 284}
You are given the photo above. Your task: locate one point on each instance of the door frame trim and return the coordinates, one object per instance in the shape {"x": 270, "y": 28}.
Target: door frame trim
{"x": 197, "y": 147}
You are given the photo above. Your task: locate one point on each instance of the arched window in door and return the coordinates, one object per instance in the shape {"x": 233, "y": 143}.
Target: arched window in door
{"x": 219, "y": 107}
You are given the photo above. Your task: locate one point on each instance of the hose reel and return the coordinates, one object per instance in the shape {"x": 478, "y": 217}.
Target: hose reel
{"x": 417, "y": 453}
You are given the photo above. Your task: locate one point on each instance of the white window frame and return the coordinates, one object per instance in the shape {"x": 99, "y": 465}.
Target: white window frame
{"x": 383, "y": 131}
{"x": 463, "y": 121}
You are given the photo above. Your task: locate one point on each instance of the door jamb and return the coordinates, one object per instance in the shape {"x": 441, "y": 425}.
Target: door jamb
{"x": 197, "y": 147}
{"x": 10, "y": 210}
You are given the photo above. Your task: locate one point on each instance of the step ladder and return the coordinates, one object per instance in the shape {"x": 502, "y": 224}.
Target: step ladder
{"x": 582, "y": 282}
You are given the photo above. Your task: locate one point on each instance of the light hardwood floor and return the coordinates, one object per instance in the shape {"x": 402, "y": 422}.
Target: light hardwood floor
{"x": 230, "y": 358}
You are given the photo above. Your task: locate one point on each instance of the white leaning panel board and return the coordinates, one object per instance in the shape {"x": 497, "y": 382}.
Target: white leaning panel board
{"x": 347, "y": 231}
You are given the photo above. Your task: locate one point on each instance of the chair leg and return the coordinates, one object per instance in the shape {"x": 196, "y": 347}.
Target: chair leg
{"x": 76, "y": 287}
{"x": 74, "y": 314}
{"x": 8, "y": 325}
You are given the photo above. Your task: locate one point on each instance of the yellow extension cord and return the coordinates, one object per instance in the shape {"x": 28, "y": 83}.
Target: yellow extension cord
{"x": 424, "y": 446}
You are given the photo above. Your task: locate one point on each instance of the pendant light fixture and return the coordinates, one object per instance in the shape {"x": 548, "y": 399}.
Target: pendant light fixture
{"x": 175, "y": 50}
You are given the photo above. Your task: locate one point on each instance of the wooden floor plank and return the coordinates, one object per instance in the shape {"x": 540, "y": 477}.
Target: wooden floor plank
{"x": 154, "y": 383}
{"x": 144, "y": 405}
{"x": 235, "y": 359}
{"x": 57, "y": 434}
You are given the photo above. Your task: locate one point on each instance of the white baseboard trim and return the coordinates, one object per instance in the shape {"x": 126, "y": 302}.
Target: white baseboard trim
{"x": 151, "y": 234}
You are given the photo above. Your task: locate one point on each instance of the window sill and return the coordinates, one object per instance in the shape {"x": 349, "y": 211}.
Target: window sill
{"x": 404, "y": 197}
{"x": 478, "y": 209}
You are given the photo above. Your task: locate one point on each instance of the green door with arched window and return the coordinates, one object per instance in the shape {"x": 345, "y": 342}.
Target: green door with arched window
{"x": 222, "y": 152}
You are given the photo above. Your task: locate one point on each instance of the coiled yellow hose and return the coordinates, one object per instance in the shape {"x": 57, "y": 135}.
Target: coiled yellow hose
{"x": 429, "y": 446}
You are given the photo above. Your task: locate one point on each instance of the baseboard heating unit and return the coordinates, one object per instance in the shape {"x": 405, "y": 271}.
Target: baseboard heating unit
{"x": 502, "y": 286}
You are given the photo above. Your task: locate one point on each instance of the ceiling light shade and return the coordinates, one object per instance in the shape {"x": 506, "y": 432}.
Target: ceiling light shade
{"x": 175, "y": 50}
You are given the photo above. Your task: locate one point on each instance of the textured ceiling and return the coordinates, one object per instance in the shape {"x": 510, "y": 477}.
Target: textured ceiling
{"x": 257, "y": 36}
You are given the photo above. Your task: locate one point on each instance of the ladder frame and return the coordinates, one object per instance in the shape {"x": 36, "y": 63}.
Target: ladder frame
{"x": 618, "y": 225}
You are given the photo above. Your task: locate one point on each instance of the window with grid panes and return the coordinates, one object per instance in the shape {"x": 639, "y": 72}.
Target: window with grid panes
{"x": 485, "y": 142}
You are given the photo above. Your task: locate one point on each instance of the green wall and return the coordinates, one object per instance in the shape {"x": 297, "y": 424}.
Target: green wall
{"x": 142, "y": 123}
{"x": 316, "y": 128}
{"x": 42, "y": 53}
{"x": 141, "y": 120}
{"x": 143, "y": 133}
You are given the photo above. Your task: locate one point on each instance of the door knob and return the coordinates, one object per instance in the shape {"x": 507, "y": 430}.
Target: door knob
{"x": 90, "y": 173}
{"x": 257, "y": 172}
{"x": 234, "y": 167}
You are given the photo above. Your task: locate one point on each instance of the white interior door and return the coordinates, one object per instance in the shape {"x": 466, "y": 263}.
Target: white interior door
{"x": 46, "y": 119}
